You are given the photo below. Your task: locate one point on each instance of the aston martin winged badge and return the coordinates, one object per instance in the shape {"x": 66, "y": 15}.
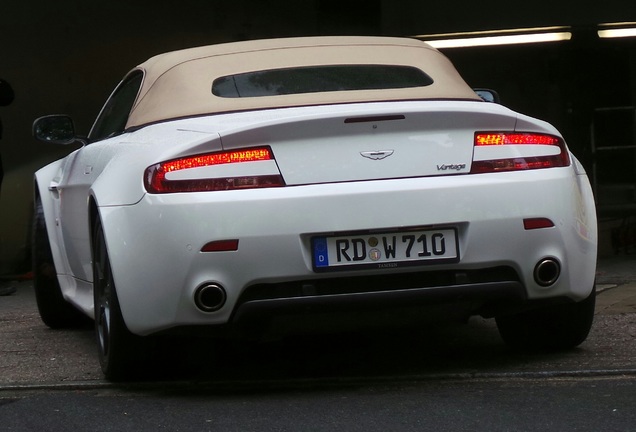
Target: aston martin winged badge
{"x": 377, "y": 155}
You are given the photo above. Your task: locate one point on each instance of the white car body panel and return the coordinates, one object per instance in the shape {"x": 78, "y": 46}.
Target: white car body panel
{"x": 75, "y": 290}
{"x": 155, "y": 241}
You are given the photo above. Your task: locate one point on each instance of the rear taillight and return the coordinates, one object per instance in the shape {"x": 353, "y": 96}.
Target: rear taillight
{"x": 156, "y": 178}
{"x": 515, "y": 151}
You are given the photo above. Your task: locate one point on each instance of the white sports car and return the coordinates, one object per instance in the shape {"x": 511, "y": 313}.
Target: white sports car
{"x": 306, "y": 183}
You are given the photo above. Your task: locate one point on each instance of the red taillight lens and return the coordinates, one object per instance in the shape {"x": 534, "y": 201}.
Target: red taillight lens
{"x": 501, "y": 138}
{"x": 516, "y": 163}
{"x": 156, "y": 181}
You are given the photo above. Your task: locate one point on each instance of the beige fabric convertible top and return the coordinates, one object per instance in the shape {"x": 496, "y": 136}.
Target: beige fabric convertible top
{"x": 179, "y": 84}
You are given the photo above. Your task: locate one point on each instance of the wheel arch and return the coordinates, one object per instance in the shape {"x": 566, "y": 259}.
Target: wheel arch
{"x": 93, "y": 215}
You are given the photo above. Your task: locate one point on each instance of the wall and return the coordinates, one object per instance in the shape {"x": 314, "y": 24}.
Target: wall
{"x": 66, "y": 56}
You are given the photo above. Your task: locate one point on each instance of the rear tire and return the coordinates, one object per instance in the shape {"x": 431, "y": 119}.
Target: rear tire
{"x": 122, "y": 354}
{"x": 54, "y": 310}
{"x": 557, "y": 327}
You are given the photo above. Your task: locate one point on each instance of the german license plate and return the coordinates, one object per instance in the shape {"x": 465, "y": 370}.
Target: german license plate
{"x": 384, "y": 250}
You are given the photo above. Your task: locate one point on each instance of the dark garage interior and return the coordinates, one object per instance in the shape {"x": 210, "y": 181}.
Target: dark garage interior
{"x": 66, "y": 57}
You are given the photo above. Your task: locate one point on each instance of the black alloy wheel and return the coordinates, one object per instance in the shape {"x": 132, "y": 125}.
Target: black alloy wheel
{"x": 552, "y": 328}
{"x": 122, "y": 354}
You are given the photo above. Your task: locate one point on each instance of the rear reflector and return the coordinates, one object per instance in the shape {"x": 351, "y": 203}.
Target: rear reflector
{"x": 494, "y": 139}
{"x": 537, "y": 223}
{"x": 220, "y": 246}
{"x": 156, "y": 182}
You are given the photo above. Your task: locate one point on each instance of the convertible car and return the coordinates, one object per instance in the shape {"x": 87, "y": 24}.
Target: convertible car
{"x": 309, "y": 183}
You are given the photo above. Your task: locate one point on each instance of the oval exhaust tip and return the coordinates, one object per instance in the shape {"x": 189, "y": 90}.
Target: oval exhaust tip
{"x": 547, "y": 271}
{"x": 210, "y": 297}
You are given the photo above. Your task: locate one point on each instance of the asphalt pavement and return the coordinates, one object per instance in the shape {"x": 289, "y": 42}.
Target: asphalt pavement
{"x": 32, "y": 355}
{"x": 616, "y": 285}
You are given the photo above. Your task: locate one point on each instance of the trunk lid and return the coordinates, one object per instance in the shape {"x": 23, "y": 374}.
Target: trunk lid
{"x": 374, "y": 142}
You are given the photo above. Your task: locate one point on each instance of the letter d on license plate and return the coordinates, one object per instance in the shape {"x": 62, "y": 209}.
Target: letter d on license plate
{"x": 385, "y": 250}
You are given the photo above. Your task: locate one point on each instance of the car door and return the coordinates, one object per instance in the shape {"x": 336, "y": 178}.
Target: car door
{"x": 83, "y": 167}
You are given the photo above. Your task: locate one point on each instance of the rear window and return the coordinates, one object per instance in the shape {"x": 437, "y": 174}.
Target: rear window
{"x": 313, "y": 79}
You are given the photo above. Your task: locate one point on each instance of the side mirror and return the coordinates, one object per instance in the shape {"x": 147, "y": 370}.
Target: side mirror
{"x": 56, "y": 129}
{"x": 488, "y": 95}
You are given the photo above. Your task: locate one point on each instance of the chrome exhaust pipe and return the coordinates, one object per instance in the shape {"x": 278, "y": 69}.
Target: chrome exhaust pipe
{"x": 547, "y": 271}
{"x": 210, "y": 297}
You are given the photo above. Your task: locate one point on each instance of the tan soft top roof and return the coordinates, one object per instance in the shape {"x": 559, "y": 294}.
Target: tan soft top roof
{"x": 179, "y": 84}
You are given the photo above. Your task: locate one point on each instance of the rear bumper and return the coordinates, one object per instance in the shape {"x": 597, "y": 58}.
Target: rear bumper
{"x": 155, "y": 245}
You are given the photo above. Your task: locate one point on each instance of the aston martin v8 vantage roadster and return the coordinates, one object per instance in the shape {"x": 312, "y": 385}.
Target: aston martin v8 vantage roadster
{"x": 228, "y": 187}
